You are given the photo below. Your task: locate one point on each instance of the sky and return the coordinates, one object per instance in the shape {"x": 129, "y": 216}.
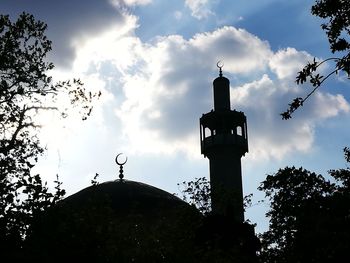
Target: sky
{"x": 154, "y": 62}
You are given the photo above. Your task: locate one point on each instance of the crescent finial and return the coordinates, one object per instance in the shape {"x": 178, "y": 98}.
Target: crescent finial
{"x": 220, "y": 65}
{"x": 121, "y": 175}
{"x": 119, "y": 163}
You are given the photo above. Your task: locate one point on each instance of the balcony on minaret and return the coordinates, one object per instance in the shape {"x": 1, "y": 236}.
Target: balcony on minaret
{"x": 223, "y": 129}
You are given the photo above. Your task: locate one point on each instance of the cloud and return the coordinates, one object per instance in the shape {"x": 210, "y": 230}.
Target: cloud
{"x": 241, "y": 51}
{"x": 73, "y": 22}
{"x": 167, "y": 96}
{"x": 269, "y": 136}
{"x": 160, "y": 89}
{"x": 285, "y": 63}
{"x": 328, "y": 105}
{"x": 200, "y": 8}
{"x": 119, "y": 3}
{"x": 138, "y": 2}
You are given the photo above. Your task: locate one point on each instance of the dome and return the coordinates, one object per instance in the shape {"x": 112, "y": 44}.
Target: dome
{"x": 117, "y": 221}
{"x": 126, "y": 196}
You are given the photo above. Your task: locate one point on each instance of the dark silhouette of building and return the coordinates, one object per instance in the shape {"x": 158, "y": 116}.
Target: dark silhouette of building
{"x": 224, "y": 140}
{"x": 126, "y": 221}
{"x": 117, "y": 221}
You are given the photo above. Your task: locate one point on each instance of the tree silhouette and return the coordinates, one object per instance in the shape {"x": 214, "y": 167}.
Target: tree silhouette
{"x": 309, "y": 216}
{"x": 222, "y": 239}
{"x": 197, "y": 193}
{"x": 26, "y": 89}
{"x": 337, "y": 28}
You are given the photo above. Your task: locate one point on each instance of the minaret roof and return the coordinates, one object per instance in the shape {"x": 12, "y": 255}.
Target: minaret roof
{"x": 221, "y": 80}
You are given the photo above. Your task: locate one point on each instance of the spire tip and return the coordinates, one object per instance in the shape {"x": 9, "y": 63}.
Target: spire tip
{"x": 220, "y": 65}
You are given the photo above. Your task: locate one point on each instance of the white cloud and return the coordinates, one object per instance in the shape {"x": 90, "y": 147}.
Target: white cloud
{"x": 117, "y": 45}
{"x": 200, "y": 8}
{"x": 162, "y": 88}
{"x": 287, "y": 62}
{"x": 241, "y": 51}
{"x": 269, "y": 136}
{"x": 167, "y": 96}
{"x": 137, "y": 2}
{"x": 117, "y": 3}
{"x": 328, "y": 105}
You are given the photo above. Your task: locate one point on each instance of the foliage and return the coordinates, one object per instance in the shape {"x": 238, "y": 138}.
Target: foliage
{"x": 309, "y": 216}
{"x": 221, "y": 237}
{"x": 337, "y": 28}
{"x": 197, "y": 193}
{"x": 26, "y": 90}
{"x": 94, "y": 181}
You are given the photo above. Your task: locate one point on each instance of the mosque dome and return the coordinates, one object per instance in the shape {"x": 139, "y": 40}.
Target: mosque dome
{"x": 126, "y": 196}
{"x": 117, "y": 221}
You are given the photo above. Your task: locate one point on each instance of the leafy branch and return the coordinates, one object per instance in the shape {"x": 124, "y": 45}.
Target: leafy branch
{"x": 337, "y": 28}
{"x": 309, "y": 74}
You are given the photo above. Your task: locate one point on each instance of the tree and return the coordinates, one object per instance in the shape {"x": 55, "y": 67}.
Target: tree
{"x": 309, "y": 216}
{"x": 337, "y": 27}
{"x": 222, "y": 238}
{"x": 26, "y": 90}
{"x": 197, "y": 193}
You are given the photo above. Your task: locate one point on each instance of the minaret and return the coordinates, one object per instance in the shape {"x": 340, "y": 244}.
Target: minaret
{"x": 224, "y": 140}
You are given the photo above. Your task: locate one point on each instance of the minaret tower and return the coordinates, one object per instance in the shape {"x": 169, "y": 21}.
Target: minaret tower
{"x": 224, "y": 140}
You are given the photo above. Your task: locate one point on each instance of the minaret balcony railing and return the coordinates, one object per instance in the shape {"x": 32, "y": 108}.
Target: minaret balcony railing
{"x": 234, "y": 141}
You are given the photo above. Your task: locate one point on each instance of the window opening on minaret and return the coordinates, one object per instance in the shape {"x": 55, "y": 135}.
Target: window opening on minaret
{"x": 239, "y": 131}
{"x": 207, "y": 132}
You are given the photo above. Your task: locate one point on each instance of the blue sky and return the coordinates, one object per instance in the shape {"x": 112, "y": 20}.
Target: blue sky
{"x": 155, "y": 62}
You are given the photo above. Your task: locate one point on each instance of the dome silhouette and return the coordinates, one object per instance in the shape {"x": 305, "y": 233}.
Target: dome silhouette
{"x": 119, "y": 220}
{"x": 126, "y": 196}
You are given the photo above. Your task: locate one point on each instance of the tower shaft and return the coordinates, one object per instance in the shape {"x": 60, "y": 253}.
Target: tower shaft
{"x": 226, "y": 184}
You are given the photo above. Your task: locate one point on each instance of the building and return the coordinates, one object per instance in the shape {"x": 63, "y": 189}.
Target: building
{"x": 224, "y": 140}
{"x": 126, "y": 221}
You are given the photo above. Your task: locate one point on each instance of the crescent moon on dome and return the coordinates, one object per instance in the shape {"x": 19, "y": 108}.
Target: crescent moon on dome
{"x": 120, "y": 163}
{"x": 220, "y": 64}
